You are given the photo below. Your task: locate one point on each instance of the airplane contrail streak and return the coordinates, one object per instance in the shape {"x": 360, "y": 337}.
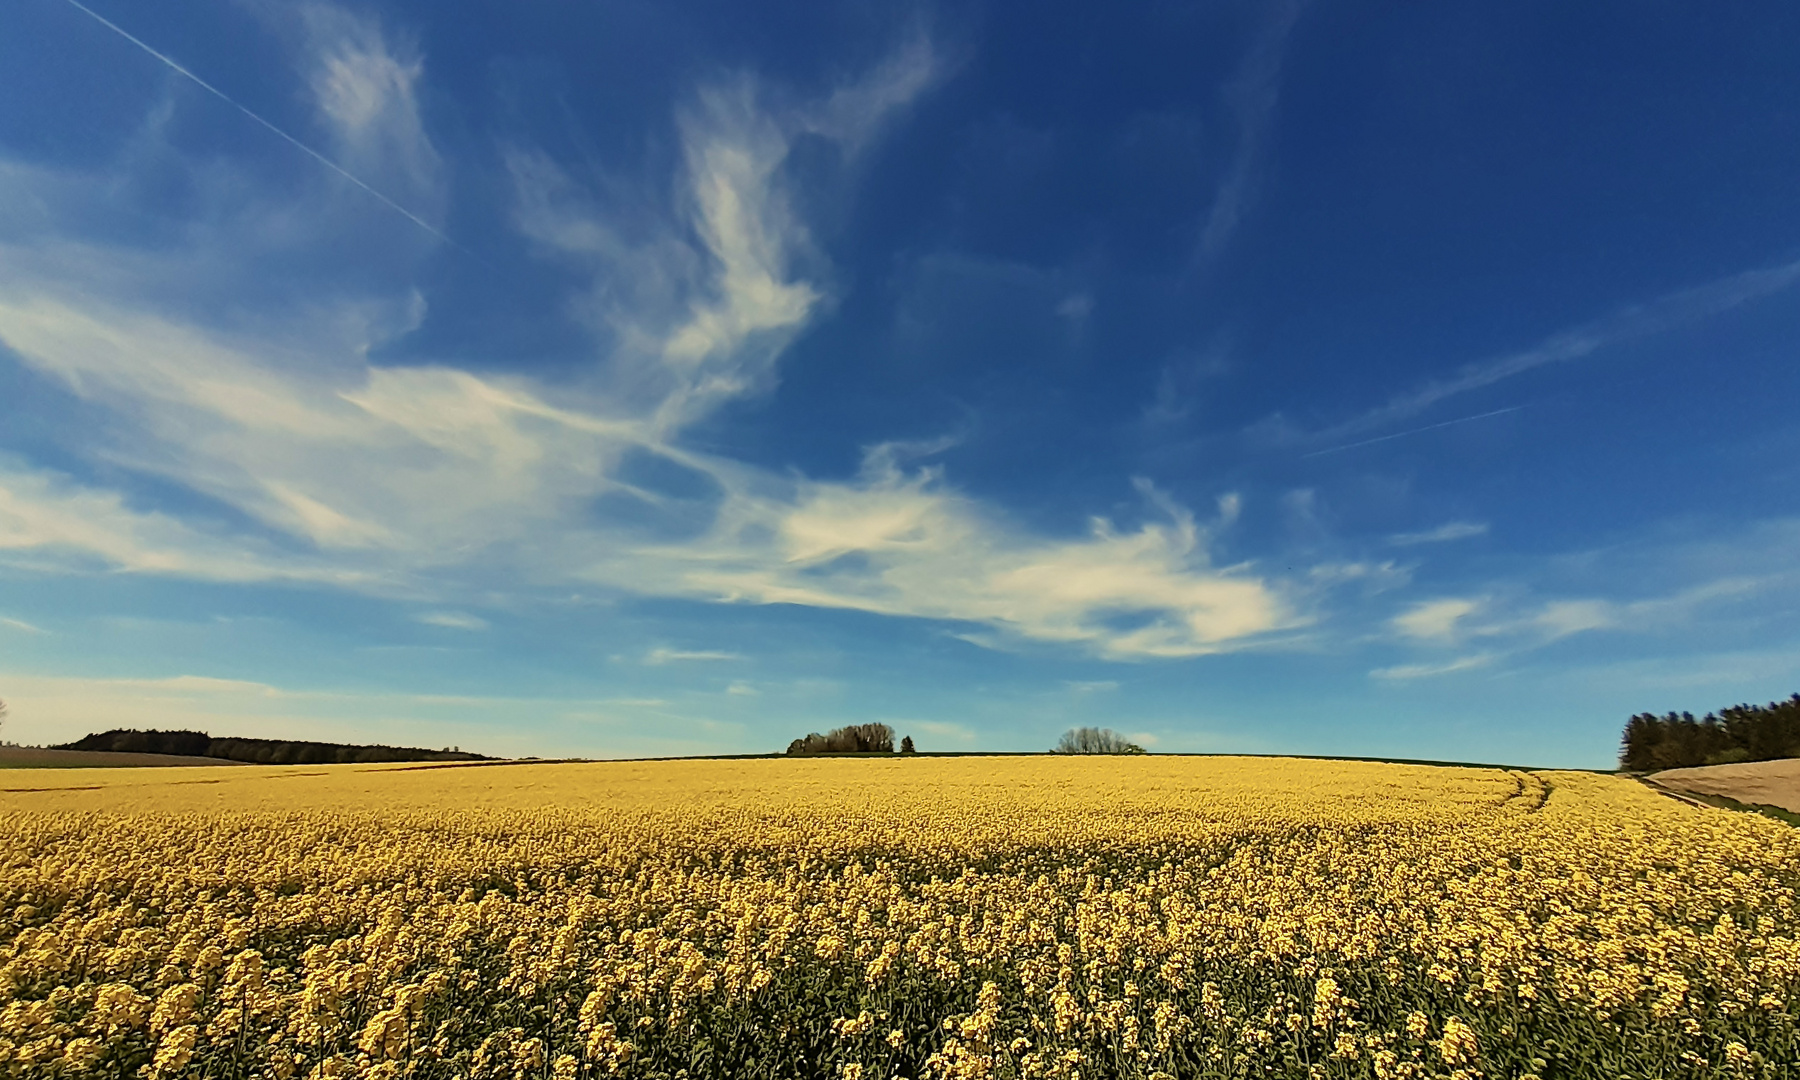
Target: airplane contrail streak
{"x": 1412, "y": 431}
{"x": 302, "y": 147}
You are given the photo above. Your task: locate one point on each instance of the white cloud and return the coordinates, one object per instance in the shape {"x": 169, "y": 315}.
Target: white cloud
{"x": 692, "y": 325}
{"x": 1090, "y": 686}
{"x": 1513, "y": 622}
{"x": 409, "y": 466}
{"x": 740, "y": 688}
{"x": 658, "y": 656}
{"x": 324, "y": 467}
{"x": 453, "y": 620}
{"x": 743, "y": 218}
{"x": 392, "y": 471}
{"x": 48, "y": 709}
{"x": 1436, "y": 620}
{"x": 366, "y": 90}
{"x": 22, "y": 625}
{"x": 856, "y": 111}
{"x": 162, "y": 112}
{"x": 50, "y": 524}
{"x": 202, "y": 684}
{"x": 1560, "y": 618}
{"x": 939, "y": 729}
{"x": 1405, "y": 672}
{"x": 1530, "y": 623}
{"x": 1454, "y": 530}
{"x": 904, "y": 544}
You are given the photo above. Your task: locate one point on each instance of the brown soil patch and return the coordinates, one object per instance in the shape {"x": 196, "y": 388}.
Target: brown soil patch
{"x": 1764, "y": 783}
{"x": 31, "y": 757}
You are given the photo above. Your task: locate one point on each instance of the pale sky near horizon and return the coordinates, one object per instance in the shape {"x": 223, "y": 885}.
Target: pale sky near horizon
{"x": 631, "y": 378}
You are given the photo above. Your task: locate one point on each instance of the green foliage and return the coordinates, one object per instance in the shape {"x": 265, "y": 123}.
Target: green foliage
{"x": 1740, "y": 733}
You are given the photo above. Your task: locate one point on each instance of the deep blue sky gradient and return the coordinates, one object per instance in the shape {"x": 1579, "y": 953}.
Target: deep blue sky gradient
{"x": 1463, "y": 339}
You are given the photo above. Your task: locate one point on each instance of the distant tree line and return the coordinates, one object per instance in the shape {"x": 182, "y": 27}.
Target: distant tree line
{"x": 1740, "y": 733}
{"x": 1088, "y": 740}
{"x": 854, "y": 739}
{"x": 257, "y": 751}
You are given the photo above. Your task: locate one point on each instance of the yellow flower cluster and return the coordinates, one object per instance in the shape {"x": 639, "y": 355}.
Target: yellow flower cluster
{"x": 922, "y": 918}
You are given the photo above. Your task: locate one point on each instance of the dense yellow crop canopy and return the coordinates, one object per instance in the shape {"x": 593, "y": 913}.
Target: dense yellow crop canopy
{"x": 914, "y": 917}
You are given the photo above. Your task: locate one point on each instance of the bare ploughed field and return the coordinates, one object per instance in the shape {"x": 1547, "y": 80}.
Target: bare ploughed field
{"x": 1765, "y": 783}
{"x": 32, "y": 757}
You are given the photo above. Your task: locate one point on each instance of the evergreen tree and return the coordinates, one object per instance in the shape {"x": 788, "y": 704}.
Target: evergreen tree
{"x": 1739, "y": 733}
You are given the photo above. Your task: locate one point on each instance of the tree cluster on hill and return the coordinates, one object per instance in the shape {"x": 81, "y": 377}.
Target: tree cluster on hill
{"x": 1740, "y": 733}
{"x": 1088, "y": 740}
{"x": 257, "y": 751}
{"x": 854, "y": 739}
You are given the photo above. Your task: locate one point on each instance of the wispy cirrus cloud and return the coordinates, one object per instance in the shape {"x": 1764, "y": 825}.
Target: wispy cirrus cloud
{"x": 365, "y": 86}
{"x": 1631, "y": 322}
{"x": 51, "y": 524}
{"x": 320, "y": 466}
{"x": 941, "y": 729}
{"x": 1252, "y": 96}
{"x": 1408, "y": 672}
{"x": 664, "y": 655}
{"x": 903, "y": 543}
{"x": 1534, "y": 621}
{"x": 1458, "y": 421}
{"x": 1445, "y": 533}
{"x": 1723, "y": 589}
{"x": 697, "y": 296}
{"x": 452, "y": 620}
{"x": 339, "y": 99}
{"x": 856, "y": 111}
{"x": 1436, "y": 620}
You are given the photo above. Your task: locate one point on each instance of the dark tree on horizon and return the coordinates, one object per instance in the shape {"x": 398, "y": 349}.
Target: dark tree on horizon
{"x": 1651, "y": 743}
{"x": 256, "y": 751}
{"x": 1088, "y": 740}
{"x": 854, "y": 739}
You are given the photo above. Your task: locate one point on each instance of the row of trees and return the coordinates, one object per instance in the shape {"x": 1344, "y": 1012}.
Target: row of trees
{"x": 854, "y": 739}
{"x": 1740, "y": 733}
{"x": 257, "y": 751}
{"x": 879, "y": 739}
{"x": 1088, "y": 740}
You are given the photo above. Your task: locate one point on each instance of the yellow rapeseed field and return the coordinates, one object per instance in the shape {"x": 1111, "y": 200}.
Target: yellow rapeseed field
{"x": 907, "y": 917}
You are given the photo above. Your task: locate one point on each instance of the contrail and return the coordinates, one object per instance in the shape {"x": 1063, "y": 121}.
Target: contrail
{"x": 226, "y": 98}
{"x": 1411, "y": 431}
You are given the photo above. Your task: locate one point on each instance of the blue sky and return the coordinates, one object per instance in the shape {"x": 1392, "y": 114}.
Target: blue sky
{"x": 639, "y": 378}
